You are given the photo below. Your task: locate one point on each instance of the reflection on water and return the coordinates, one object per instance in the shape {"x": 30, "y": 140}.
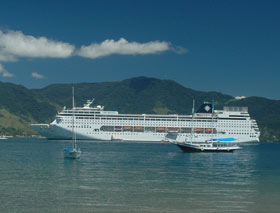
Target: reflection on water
{"x": 137, "y": 177}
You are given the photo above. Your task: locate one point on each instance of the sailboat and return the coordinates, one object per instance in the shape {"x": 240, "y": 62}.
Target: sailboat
{"x": 74, "y": 151}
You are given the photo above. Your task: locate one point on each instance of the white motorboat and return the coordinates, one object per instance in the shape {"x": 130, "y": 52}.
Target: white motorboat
{"x": 192, "y": 144}
{"x": 213, "y": 145}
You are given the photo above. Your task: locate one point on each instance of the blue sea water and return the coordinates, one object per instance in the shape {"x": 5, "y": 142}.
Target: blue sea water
{"x": 137, "y": 177}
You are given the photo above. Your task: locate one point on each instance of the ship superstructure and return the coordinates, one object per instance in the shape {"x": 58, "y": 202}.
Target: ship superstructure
{"x": 94, "y": 123}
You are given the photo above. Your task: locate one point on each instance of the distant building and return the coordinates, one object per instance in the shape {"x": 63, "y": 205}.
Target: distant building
{"x": 240, "y": 97}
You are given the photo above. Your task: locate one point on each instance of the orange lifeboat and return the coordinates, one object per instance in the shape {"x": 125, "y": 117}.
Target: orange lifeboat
{"x": 160, "y": 129}
{"x": 138, "y": 128}
{"x": 127, "y": 127}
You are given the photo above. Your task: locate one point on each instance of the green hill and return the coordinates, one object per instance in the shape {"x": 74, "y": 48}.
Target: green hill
{"x": 136, "y": 95}
{"x": 19, "y": 107}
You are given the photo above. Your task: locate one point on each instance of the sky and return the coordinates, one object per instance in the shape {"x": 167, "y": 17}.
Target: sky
{"x": 228, "y": 46}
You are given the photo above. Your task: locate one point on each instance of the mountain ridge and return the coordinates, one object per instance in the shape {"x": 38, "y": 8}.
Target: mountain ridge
{"x": 134, "y": 95}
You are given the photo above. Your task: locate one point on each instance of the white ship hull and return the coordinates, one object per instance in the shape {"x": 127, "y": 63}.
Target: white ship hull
{"x": 55, "y": 132}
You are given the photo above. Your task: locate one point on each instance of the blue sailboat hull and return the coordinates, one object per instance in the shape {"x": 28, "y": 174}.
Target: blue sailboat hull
{"x": 73, "y": 153}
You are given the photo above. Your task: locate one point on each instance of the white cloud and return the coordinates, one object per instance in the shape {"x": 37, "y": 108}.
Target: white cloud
{"x": 4, "y": 72}
{"x": 6, "y": 57}
{"x": 123, "y": 47}
{"x": 14, "y": 44}
{"x": 179, "y": 50}
{"x": 37, "y": 75}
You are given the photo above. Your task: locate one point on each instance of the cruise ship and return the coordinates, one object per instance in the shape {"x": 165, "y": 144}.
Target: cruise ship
{"x": 94, "y": 123}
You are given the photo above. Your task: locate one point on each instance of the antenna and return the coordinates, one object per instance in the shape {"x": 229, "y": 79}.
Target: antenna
{"x": 193, "y": 106}
{"x": 213, "y": 105}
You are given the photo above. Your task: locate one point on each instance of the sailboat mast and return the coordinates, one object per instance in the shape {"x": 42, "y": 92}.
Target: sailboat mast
{"x": 73, "y": 100}
{"x": 73, "y": 119}
{"x": 192, "y": 121}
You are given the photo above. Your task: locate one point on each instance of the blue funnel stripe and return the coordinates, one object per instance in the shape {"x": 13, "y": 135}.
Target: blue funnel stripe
{"x": 223, "y": 139}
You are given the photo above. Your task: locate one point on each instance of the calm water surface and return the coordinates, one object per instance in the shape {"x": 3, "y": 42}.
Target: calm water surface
{"x": 137, "y": 177}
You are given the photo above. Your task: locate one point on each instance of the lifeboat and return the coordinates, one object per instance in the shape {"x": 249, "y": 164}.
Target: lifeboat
{"x": 127, "y": 127}
{"x": 198, "y": 130}
{"x": 160, "y": 129}
{"x": 138, "y": 128}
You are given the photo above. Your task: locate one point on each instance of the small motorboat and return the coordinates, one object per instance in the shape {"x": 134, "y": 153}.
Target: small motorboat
{"x": 213, "y": 145}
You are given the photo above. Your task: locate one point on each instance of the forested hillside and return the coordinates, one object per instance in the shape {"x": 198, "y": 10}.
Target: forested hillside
{"x": 20, "y": 106}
